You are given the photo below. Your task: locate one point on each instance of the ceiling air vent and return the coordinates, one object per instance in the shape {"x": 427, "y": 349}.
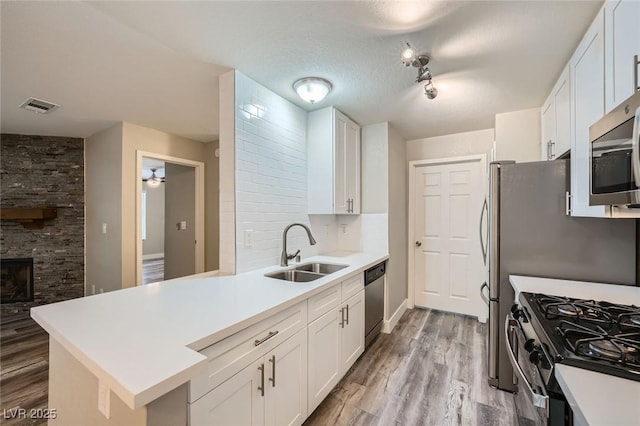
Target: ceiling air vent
{"x": 39, "y": 106}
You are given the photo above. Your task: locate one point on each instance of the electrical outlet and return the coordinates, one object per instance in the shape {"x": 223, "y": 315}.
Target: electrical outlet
{"x": 343, "y": 228}
{"x": 104, "y": 228}
{"x": 101, "y": 290}
{"x": 93, "y": 289}
{"x": 248, "y": 237}
{"x": 326, "y": 230}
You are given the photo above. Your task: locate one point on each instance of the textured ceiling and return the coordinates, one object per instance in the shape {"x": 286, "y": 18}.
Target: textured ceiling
{"x": 156, "y": 63}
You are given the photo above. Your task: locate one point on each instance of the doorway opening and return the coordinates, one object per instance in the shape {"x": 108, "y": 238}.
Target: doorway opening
{"x": 170, "y": 218}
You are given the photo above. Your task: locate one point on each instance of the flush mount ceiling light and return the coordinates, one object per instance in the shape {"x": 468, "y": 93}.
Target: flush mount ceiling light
{"x": 312, "y": 89}
{"x": 410, "y": 58}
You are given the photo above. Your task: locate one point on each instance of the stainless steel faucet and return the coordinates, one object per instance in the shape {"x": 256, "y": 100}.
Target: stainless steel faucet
{"x": 285, "y": 257}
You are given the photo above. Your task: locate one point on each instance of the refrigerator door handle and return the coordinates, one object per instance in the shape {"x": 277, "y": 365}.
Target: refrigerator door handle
{"x": 635, "y": 142}
{"x": 482, "y": 293}
{"x": 483, "y": 244}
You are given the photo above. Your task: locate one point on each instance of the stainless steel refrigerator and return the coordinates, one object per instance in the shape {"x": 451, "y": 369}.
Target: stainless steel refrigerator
{"x": 531, "y": 234}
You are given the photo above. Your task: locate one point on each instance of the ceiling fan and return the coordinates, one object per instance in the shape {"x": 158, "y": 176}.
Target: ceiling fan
{"x": 153, "y": 180}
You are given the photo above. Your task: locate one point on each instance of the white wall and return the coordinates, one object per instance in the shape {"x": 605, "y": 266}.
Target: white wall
{"x": 271, "y": 174}
{"x": 375, "y": 170}
{"x": 227, "y": 206}
{"x": 398, "y": 231}
{"x": 103, "y": 181}
{"x": 518, "y": 135}
{"x": 456, "y": 145}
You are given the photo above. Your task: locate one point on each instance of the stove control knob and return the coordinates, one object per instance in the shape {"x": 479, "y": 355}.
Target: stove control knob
{"x": 516, "y": 312}
{"x": 529, "y": 345}
{"x": 535, "y": 356}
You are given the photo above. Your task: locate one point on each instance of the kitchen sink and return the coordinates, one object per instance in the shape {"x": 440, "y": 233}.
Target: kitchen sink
{"x": 320, "y": 268}
{"x": 295, "y": 276}
{"x": 306, "y": 272}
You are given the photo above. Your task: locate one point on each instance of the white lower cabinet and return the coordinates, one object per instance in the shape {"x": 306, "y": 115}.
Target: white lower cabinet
{"x": 352, "y": 334}
{"x": 324, "y": 356}
{"x": 336, "y": 340}
{"x": 270, "y": 391}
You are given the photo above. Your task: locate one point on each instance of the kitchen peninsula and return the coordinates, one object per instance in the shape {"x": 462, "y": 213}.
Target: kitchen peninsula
{"x": 133, "y": 356}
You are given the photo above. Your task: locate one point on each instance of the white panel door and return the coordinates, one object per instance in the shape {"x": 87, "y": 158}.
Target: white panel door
{"x": 353, "y": 166}
{"x": 548, "y": 129}
{"x": 324, "y": 357}
{"x": 235, "y": 402}
{"x": 562, "y": 110}
{"x": 340, "y": 165}
{"x": 286, "y": 382}
{"x": 352, "y": 345}
{"x": 447, "y": 256}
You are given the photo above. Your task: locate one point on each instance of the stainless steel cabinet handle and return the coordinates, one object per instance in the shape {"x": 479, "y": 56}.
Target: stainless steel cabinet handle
{"x": 567, "y": 203}
{"x": 551, "y": 149}
{"x": 347, "y": 314}
{"x": 418, "y": 243}
{"x": 264, "y": 339}
{"x": 272, "y": 360}
{"x": 539, "y": 400}
{"x": 261, "y": 387}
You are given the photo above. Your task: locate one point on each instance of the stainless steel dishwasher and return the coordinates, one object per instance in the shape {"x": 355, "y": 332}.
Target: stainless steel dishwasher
{"x": 373, "y": 301}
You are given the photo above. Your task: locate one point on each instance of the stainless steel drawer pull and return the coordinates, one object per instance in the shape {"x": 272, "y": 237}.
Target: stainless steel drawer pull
{"x": 264, "y": 339}
{"x": 261, "y": 387}
{"x": 347, "y": 314}
{"x": 272, "y": 360}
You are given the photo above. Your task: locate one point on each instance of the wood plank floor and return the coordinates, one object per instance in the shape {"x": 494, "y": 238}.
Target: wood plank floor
{"x": 24, "y": 370}
{"x": 432, "y": 370}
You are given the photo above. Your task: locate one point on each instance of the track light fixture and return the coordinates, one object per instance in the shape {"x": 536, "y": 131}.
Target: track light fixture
{"x": 410, "y": 58}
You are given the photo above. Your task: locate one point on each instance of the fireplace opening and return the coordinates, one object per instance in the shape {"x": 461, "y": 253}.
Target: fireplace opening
{"x": 17, "y": 280}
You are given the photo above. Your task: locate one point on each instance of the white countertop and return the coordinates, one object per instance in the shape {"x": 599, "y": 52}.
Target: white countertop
{"x": 595, "y": 398}
{"x": 142, "y": 342}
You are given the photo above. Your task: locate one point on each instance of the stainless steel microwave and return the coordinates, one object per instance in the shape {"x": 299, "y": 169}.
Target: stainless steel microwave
{"x": 615, "y": 158}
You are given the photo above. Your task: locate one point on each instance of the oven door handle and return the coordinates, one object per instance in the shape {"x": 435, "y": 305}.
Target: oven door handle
{"x": 539, "y": 400}
{"x": 635, "y": 148}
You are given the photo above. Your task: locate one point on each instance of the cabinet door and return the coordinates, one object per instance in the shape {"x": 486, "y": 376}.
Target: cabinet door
{"x": 548, "y": 119}
{"x": 352, "y": 339}
{"x": 622, "y": 38}
{"x": 235, "y": 402}
{"x": 340, "y": 196}
{"x": 587, "y": 75}
{"x": 352, "y": 168}
{"x": 324, "y": 357}
{"x": 286, "y": 393}
{"x": 562, "y": 110}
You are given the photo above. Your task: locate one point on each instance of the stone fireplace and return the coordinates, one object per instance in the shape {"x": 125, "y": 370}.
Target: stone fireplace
{"x": 39, "y": 172}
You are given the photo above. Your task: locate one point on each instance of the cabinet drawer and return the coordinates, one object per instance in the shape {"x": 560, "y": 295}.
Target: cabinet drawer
{"x": 352, "y": 286}
{"x": 232, "y": 354}
{"x": 323, "y": 302}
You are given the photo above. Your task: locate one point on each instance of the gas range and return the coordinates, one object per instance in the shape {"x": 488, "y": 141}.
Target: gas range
{"x": 594, "y": 335}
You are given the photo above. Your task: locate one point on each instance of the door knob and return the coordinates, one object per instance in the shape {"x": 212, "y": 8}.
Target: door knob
{"x": 418, "y": 243}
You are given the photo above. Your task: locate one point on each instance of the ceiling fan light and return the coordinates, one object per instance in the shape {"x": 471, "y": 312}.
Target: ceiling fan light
{"x": 312, "y": 89}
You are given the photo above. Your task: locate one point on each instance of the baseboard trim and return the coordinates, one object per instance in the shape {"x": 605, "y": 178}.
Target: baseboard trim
{"x": 388, "y": 325}
{"x": 152, "y": 256}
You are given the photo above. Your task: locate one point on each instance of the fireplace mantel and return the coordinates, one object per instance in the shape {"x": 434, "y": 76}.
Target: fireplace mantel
{"x": 30, "y": 218}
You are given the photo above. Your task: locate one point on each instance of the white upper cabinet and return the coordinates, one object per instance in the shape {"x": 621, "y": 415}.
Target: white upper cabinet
{"x": 556, "y": 119}
{"x": 587, "y": 99}
{"x": 622, "y": 43}
{"x": 333, "y": 149}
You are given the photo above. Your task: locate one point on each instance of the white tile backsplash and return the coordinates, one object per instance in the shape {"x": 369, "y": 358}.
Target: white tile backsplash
{"x": 271, "y": 175}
